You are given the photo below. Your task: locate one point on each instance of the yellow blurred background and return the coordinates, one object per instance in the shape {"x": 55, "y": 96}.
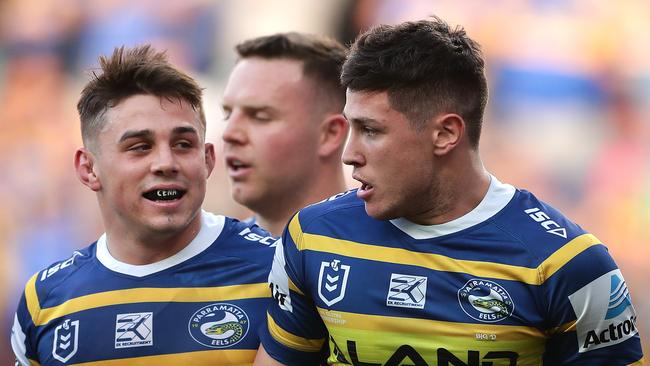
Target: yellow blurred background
{"x": 567, "y": 117}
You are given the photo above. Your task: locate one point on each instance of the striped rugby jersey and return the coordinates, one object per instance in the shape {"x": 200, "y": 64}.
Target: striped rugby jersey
{"x": 202, "y": 306}
{"x": 513, "y": 282}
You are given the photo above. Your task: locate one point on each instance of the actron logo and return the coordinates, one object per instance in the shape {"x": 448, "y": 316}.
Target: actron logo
{"x": 604, "y": 312}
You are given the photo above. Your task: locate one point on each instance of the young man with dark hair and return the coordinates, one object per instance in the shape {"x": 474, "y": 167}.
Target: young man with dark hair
{"x": 433, "y": 261}
{"x": 285, "y": 131}
{"x": 167, "y": 284}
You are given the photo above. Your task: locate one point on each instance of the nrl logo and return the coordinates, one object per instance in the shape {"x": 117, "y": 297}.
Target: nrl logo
{"x": 332, "y": 281}
{"x": 65, "y": 340}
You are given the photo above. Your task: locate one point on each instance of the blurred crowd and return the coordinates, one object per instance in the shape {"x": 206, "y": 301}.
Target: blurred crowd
{"x": 567, "y": 117}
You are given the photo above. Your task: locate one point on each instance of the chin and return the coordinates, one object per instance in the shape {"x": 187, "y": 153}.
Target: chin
{"x": 169, "y": 223}
{"x": 241, "y": 194}
{"x": 379, "y": 213}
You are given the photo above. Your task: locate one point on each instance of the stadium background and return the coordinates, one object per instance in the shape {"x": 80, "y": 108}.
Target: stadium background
{"x": 567, "y": 119}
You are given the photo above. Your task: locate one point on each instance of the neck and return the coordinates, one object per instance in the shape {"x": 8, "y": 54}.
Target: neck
{"x": 140, "y": 248}
{"x": 275, "y": 215}
{"x": 459, "y": 188}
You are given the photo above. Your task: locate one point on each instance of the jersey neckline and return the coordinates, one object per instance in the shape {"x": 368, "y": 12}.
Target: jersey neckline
{"x": 497, "y": 197}
{"x": 211, "y": 227}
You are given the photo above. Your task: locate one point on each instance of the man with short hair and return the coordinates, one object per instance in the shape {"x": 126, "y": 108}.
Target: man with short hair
{"x": 167, "y": 284}
{"x": 433, "y": 260}
{"x": 285, "y": 131}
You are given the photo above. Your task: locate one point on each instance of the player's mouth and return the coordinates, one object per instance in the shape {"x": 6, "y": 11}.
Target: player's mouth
{"x": 237, "y": 168}
{"x": 164, "y": 195}
{"x": 365, "y": 190}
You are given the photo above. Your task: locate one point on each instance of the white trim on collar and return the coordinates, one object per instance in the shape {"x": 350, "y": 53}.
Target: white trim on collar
{"x": 211, "y": 227}
{"x": 497, "y": 197}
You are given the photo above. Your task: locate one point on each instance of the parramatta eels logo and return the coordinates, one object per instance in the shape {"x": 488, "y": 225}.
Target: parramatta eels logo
{"x": 485, "y": 300}
{"x": 219, "y": 325}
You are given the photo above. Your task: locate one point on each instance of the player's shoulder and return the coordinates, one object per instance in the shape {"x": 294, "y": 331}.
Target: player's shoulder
{"x": 342, "y": 204}
{"x": 247, "y": 240}
{"x": 65, "y": 273}
{"x": 540, "y": 227}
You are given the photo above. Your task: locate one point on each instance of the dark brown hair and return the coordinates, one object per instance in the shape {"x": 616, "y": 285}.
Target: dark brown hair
{"x": 128, "y": 72}
{"x": 426, "y": 67}
{"x": 322, "y": 57}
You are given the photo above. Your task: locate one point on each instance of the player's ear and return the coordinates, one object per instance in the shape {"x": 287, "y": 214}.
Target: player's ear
{"x": 447, "y": 132}
{"x": 333, "y": 133}
{"x": 210, "y": 157}
{"x": 84, "y": 164}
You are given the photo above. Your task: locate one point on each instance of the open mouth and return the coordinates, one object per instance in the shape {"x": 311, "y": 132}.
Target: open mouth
{"x": 235, "y": 164}
{"x": 365, "y": 186}
{"x": 163, "y": 194}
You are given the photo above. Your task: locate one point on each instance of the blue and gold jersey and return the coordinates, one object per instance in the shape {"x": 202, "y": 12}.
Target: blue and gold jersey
{"x": 202, "y": 306}
{"x": 513, "y": 282}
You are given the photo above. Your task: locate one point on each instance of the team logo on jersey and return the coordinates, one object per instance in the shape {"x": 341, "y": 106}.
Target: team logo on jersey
{"x": 66, "y": 337}
{"x": 485, "y": 300}
{"x": 407, "y": 291}
{"x": 219, "y": 325}
{"x": 604, "y": 312}
{"x": 134, "y": 330}
{"x": 332, "y": 281}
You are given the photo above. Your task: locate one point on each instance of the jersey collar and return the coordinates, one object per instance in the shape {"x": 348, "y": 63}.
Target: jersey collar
{"x": 211, "y": 227}
{"x": 497, "y": 197}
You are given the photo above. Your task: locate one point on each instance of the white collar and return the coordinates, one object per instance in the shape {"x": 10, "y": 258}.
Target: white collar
{"x": 497, "y": 197}
{"x": 211, "y": 227}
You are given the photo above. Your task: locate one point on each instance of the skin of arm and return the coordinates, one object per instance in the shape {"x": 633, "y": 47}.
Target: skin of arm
{"x": 263, "y": 358}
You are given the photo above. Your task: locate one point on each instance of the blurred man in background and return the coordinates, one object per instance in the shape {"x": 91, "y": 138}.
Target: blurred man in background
{"x": 466, "y": 270}
{"x": 285, "y": 131}
{"x": 167, "y": 283}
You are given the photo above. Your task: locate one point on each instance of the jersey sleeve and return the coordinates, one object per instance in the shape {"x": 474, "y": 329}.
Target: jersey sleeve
{"x": 23, "y": 328}
{"x": 591, "y": 317}
{"x": 294, "y": 333}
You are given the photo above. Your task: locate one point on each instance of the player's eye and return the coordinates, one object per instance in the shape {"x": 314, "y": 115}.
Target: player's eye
{"x": 139, "y": 147}
{"x": 184, "y": 144}
{"x": 262, "y": 116}
{"x": 226, "y": 112}
{"x": 369, "y": 131}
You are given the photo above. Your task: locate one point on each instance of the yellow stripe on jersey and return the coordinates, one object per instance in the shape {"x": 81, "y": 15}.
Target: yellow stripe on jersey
{"x": 638, "y": 363}
{"x": 377, "y": 338}
{"x": 146, "y": 294}
{"x": 296, "y": 231}
{"x": 438, "y": 262}
{"x": 377, "y": 348}
{"x": 212, "y": 357}
{"x": 31, "y": 297}
{"x": 566, "y": 327}
{"x": 291, "y": 340}
{"x": 563, "y": 255}
{"x": 412, "y": 326}
{"x": 33, "y": 363}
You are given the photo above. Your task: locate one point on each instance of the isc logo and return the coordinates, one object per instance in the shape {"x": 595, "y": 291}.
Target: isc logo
{"x": 54, "y": 269}
{"x": 250, "y": 235}
{"x": 549, "y": 225}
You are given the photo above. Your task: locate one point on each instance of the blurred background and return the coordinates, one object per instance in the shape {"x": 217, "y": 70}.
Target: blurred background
{"x": 567, "y": 117}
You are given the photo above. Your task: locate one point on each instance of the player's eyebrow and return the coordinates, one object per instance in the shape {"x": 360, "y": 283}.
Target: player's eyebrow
{"x": 184, "y": 129}
{"x": 146, "y": 133}
{"x": 361, "y": 120}
{"x": 135, "y": 134}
